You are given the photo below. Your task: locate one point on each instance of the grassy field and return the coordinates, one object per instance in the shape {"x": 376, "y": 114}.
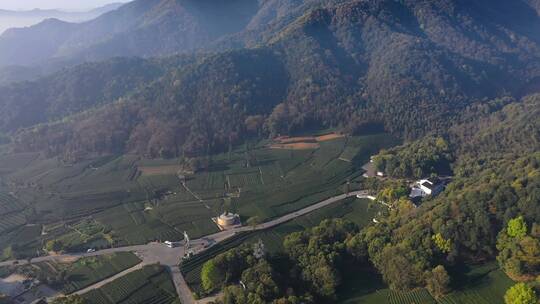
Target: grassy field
{"x": 475, "y": 285}
{"x": 150, "y": 285}
{"x": 124, "y": 200}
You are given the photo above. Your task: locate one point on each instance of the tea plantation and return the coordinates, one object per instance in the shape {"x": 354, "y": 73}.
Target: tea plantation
{"x": 125, "y": 200}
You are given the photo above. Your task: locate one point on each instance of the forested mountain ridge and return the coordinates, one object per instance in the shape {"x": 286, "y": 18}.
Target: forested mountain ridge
{"x": 73, "y": 90}
{"x": 496, "y": 180}
{"x": 408, "y": 66}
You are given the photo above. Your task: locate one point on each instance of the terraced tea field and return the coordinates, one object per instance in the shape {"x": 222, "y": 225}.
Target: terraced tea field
{"x": 150, "y": 285}
{"x": 83, "y": 272}
{"x": 479, "y": 285}
{"x": 126, "y": 200}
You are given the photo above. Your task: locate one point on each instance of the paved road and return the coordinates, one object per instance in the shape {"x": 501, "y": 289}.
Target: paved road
{"x": 110, "y": 279}
{"x": 170, "y": 257}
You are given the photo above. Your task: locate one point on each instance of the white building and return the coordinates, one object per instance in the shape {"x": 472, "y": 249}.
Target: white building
{"x": 426, "y": 187}
{"x": 227, "y": 221}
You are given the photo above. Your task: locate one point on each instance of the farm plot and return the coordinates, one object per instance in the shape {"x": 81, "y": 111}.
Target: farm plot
{"x": 244, "y": 180}
{"x": 138, "y": 227}
{"x": 150, "y": 285}
{"x": 11, "y": 221}
{"x": 420, "y": 296}
{"x": 482, "y": 285}
{"x": 21, "y": 242}
{"x": 192, "y": 217}
{"x": 159, "y": 170}
{"x": 88, "y": 271}
{"x": 9, "y": 204}
{"x": 83, "y": 272}
{"x": 131, "y": 208}
{"x": 79, "y": 236}
{"x": 13, "y": 162}
{"x": 359, "y": 149}
{"x": 158, "y": 182}
{"x": 12, "y": 213}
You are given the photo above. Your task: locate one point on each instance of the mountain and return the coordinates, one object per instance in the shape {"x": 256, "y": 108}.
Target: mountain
{"x": 10, "y": 74}
{"x": 139, "y": 28}
{"x": 13, "y": 19}
{"x": 77, "y": 89}
{"x": 410, "y": 67}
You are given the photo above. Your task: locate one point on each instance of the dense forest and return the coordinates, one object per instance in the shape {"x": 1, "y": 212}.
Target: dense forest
{"x": 354, "y": 65}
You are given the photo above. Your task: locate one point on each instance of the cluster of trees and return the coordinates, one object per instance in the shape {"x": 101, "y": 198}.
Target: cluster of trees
{"x": 320, "y": 255}
{"x": 54, "y": 246}
{"x": 310, "y": 270}
{"x": 491, "y": 208}
{"x": 75, "y": 299}
{"x": 519, "y": 250}
{"x": 430, "y": 155}
{"x": 246, "y": 278}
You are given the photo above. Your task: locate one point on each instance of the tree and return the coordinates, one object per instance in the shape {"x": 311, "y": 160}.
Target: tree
{"x": 54, "y": 246}
{"x": 8, "y": 252}
{"x": 278, "y": 122}
{"x": 519, "y": 253}
{"x": 211, "y": 276}
{"x": 398, "y": 269}
{"x": 430, "y": 155}
{"x": 234, "y": 295}
{"x": 75, "y": 299}
{"x": 520, "y": 293}
{"x": 517, "y": 227}
{"x": 444, "y": 245}
{"x": 253, "y": 221}
{"x": 259, "y": 279}
{"x": 438, "y": 282}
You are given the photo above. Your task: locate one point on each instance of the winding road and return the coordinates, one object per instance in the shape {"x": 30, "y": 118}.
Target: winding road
{"x": 170, "y": 257}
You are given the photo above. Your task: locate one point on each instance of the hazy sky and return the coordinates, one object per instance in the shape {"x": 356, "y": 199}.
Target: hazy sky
{"x": 47, "y": 4}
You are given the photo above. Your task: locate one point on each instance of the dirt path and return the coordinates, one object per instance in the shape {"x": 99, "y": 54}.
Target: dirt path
{"x": 195, "y": 196}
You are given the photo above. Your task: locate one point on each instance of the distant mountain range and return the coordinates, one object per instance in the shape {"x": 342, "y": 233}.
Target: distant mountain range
{"x": 15, "y": 19}
{"x": 140, "y": 28}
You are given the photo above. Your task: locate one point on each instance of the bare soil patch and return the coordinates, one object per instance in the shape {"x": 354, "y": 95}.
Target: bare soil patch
{"x": 330, "y": 136}
{"x": 302, "y": 142}
{"x": 296, "y": 146}
{"x": 12, "y": 285}
{"x": 68, "y": 260}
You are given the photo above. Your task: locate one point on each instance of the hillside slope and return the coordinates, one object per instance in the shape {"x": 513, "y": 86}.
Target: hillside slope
{"x": 410, "y": 67}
